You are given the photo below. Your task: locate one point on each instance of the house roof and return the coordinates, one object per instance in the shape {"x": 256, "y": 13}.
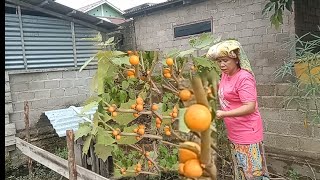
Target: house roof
{"x": 63, "y": 12}
{"x": 150, "y": 7}
{"x": 98, "y": 3}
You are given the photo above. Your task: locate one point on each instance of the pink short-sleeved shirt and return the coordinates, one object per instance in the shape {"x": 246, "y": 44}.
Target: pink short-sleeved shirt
{"x": 233, "y": 92}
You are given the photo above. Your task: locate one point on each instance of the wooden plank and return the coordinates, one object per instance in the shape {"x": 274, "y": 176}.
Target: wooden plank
{"x": 54, "y": 162}
{"x": 71, "y": 158}
{"x": 78, "y": 153}
{"x": 61, "y": 16}
{"x": 10, "y": 140}
{"x": 22, "y": 39}
{"x": 10, "y": 129}
{"x": 103, "y": 168}
{"x": 93, "y": 159}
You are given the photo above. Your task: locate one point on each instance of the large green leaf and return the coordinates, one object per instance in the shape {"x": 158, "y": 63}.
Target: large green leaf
{"x": 103, "y": 137}
{"x": 204, "y": 62}
{"x": 128, "y": 139}
{"x": 83, "y": 130}
{"x": 86, "y": 144}
{"x": 103, "y": 151}
{"x": 89, "y": 106}
{"x": 124, "y": 118}
{"x": 203, "y": 42}
{"x": 121, "y": 60}
{"x": 182, "y": 125}
{"x": 186, "y": 52}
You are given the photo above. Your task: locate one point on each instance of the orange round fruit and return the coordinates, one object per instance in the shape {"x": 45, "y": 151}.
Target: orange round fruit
{"x": 130, "y": 72}
{"x": 139, "y": 100}
{"x": 115, "y": 132}
{"x": 168, "y": 133}
{"x": 154, "y": 107}
{"x": 134, "y": 60}
{"x": 169, "y": 61}
{"x": 158, "y": 125}
{"x": 167, "y": 75}
{"x": 114, "y": 113}
{"x": 129, "y": 52}
{"x": 141, "y": 131}
{"x": 197, "y": 118}
{"x": 131, "y": 76}
{"x": 158, "y": 120}
{"x": 138, "y": 138}
{"x": 111, "y": 109}
{"x": 141, "y": 126}
{"x": 174, "y": 115}
{"x": 118, "y": 137}
{"x": 136, "y": 115}
{"x": 133, "y": 106}
{"x": 185, "y": 95}
{"x": 139, "y": 107}
{"x": 181, "y": 165}
{"x": 186, "y": 154}
{"x": 135, "y": 130}
{"x": 147, "y": 154}
{"x": 166, "y": 70}
{"x": 192, "y": 169}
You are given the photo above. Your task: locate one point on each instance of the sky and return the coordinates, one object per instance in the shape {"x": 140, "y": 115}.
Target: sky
{"x": 121, "y": 4}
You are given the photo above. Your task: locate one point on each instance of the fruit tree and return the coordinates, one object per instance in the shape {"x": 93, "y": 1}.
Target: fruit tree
{"x": 156, "y": 111}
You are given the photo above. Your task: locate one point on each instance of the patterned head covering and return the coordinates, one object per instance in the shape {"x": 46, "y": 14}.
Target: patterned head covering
{"x": 227, "y": 48}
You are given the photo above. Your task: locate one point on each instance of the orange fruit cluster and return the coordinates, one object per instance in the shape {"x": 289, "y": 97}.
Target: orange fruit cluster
{"x": 167, "y": 130}
{"x": 166, "y": 73}
{"x": 138, "y": 106}
{"x": 174, "y": 113}
{"x": 116, "y": 133}
{"x": 140, "y": 131}
{"x": 158, "y": 122}
{"x": 189, "y": 164}
{"x": 112, "y": 110}
{"x": 130, "y": 73}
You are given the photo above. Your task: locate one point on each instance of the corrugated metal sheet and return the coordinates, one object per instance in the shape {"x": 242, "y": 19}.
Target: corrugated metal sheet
{"x": 67, "y": 119}
{"x": 85, "y": 48}
{"x": 13, "y": 46}
{"x": 48, "y": 43}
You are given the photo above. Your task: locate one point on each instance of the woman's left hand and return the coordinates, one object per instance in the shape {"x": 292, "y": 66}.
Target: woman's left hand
{"x": 220, "y": 114}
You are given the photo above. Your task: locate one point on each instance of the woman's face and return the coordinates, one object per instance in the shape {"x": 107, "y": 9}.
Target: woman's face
{"x": 228, "y": 65}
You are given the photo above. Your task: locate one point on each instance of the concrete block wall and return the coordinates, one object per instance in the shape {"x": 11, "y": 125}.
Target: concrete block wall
{"x": 284, "y": 126}
{"x": 128, "y": 36}
{"x": 231, "y": 19}
{"x": 10, "y": 128}
{"x": 47, "y": 91}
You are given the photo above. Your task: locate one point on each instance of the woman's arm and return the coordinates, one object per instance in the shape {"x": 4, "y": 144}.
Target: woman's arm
{"x": 245, "y": 109}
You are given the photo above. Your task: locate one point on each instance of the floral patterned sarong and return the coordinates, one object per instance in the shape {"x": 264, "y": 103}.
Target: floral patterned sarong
{"x": 249, "y": 162}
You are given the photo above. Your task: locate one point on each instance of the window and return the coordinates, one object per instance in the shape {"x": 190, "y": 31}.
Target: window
{"x": 191, "y": 29}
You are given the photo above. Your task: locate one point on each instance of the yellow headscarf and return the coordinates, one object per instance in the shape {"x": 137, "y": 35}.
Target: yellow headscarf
{"x": 226, "y": 48}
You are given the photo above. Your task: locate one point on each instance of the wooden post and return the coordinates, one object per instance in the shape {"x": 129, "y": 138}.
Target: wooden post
{"x": 71, "y": 157}
{"x": 25, "y": 62}
{"x": 27, "y": 131}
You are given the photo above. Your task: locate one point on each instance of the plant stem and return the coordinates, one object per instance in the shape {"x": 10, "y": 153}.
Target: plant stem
{"x": 170, "y": 89}
{"x": 205, "y": 158}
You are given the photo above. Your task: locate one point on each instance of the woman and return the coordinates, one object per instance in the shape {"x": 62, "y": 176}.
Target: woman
{"x": 239, "y": 110}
